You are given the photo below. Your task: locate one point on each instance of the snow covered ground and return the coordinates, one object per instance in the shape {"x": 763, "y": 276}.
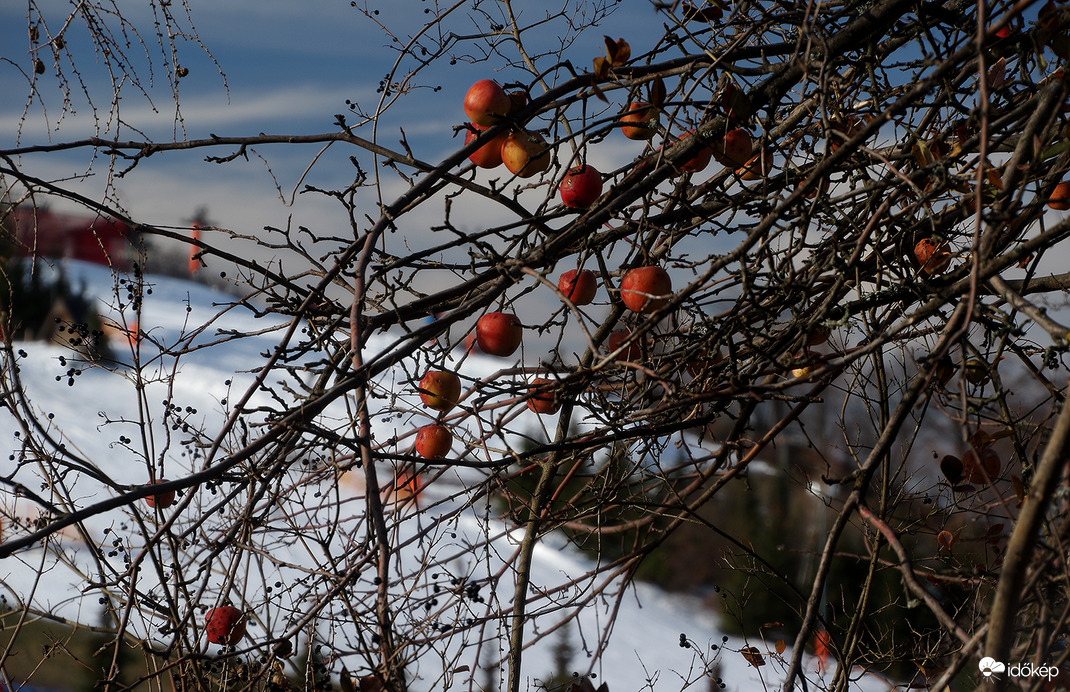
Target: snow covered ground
{"x": 101, "y": 408}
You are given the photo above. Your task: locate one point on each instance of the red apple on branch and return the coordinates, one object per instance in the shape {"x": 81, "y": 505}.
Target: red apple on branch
{"x": 433, "y": 441}
{"x": 486, "y": 102}
{"x": 162, "y": 500}
{"x": 634, "y": 351}
{"x": 540, "y": 399}
{"x": 645, "y": 289}
{"x": 578, "y": 285}
{"x": 440, "y": 390}
{"x": 735, "y": 148}
{"x": 224, "y": 625}
{"x": 499, "y": 333}
{"x": 580, "y": 187}
{"x": 699, "y": 160}
{"x": 490, "y": 154}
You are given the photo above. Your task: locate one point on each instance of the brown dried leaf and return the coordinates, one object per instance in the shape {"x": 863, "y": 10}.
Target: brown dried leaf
{"x": 611, "y": 50}
{"x": 346, "y": 681}
{"x": 617, "y": 52}
{"x": 780, "y": 646}
{"x": 1019, "y": 489}
{"x": 992, "y": 174}
{"x": 997, "y": 74}
{"x": 601, "y": 67}
{"x": 753, "y": 656}
{"x": 705, "y": 14}
{"x": 922, "y": 154}
{"x": 951, "y": 466}
{"x": 657, "y": 93}
{"x": 370, "y": 683}
{"x": 945, "y": 539}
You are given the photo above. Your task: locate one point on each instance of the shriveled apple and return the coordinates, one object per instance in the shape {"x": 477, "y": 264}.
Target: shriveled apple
{"x": 932, "y": 257}
{"x": 224, "y": 625}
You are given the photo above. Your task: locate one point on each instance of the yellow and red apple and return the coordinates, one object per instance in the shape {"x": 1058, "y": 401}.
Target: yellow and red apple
{"x": 486, "y": 102}
{"x": 440, "y": 390}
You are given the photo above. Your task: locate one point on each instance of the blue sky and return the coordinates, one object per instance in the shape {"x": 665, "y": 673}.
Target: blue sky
{"x": 289, "y": 66}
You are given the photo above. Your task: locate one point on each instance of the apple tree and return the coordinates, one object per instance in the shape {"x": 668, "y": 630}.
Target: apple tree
{"x": 734, "y": 244}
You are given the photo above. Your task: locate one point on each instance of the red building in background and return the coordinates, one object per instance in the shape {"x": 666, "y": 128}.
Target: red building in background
{"x": 44, "y": 233}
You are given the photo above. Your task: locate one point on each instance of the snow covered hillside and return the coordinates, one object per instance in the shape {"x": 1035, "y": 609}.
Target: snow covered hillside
{"x": 115, "y": 425}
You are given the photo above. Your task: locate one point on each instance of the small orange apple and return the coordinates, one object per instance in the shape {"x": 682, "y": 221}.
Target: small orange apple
{"x": 162, "y": 500}
{"x": 699, "y": 160}
{"x": 640, "y": 121}
{"x": 735, "y": 148}
{"x": 646, "y": 289}
{"x": 1060, "y": 196}
{"x": 633, "y": 352}
{"x": 931, "y": 256}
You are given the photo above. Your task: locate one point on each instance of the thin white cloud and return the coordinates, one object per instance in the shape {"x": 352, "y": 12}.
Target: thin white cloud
{"x": 201, "y": 114}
